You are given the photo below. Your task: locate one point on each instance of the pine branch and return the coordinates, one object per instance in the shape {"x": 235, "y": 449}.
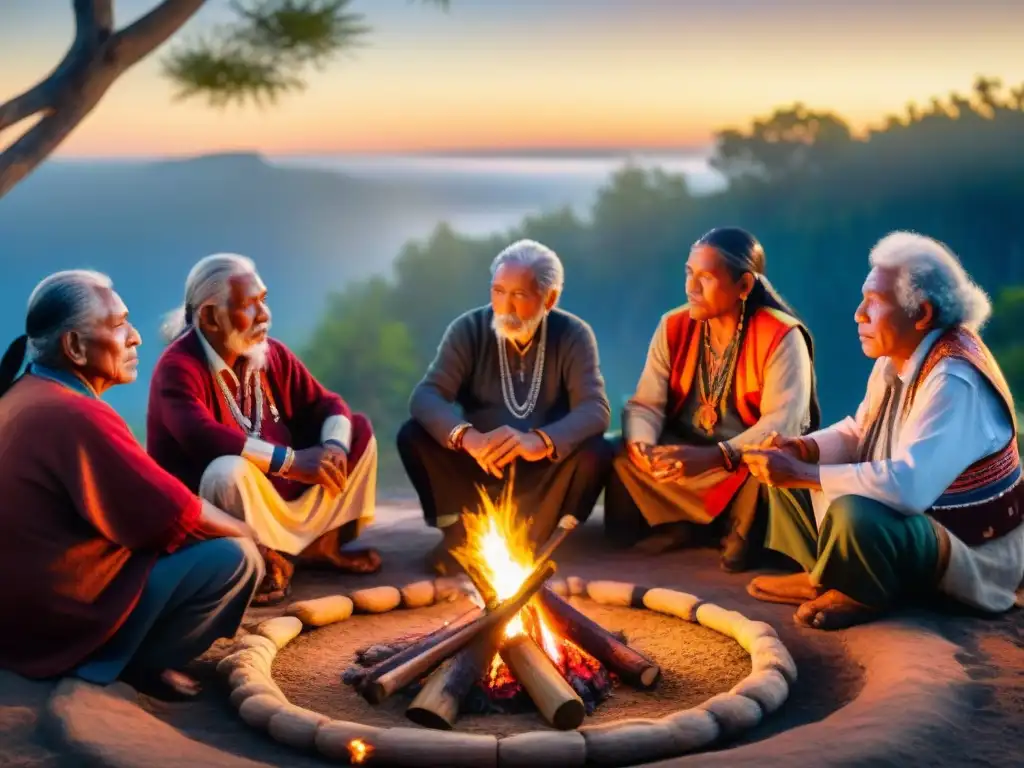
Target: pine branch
{"x": 262, "y": 55}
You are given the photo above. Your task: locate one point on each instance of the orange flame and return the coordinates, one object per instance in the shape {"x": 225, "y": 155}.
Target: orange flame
{"x": 359, "y": 751}
{"x": 497, "y": 552}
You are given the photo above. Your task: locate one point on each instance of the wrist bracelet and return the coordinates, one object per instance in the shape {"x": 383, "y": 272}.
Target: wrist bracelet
{"x": 546, "y": 440}
{"x": 337, "y": 443}
{"x": 288, "y": 460}
{"x": 456, "y": 436}
{"x": 277, "y": 459}
{"x": 730, "y": 462}
{"x": 808, "y": 454}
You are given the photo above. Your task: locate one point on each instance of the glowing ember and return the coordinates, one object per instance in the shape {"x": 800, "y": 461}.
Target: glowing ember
{"x": 359, "y": 751}
{"x": 498, "y": 553}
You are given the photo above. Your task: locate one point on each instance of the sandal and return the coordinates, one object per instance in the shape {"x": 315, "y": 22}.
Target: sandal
{"x": 791, "y": 589}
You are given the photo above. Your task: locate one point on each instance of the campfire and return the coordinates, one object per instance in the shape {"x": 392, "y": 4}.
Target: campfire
{"x": 523, "y": 646}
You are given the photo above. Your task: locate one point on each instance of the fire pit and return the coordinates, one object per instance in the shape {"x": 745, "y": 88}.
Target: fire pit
{"x": 523, "y": 646}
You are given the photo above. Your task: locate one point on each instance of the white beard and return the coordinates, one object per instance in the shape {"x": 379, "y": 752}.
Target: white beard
{"x": 509, "y": 326}
{"x": 256, "y": 354}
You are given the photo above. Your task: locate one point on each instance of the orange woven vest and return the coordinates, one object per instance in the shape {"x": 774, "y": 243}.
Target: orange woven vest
{"x": 764, "y": 332}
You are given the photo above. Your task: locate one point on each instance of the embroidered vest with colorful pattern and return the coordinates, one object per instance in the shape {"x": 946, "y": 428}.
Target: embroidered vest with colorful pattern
{"x": 985, "y": 501}
{"x": 764, "y": 331}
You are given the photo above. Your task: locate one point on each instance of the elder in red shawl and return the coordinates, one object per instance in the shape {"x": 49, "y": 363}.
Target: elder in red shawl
{"x": 99, "y": 560}
{"x": 239, "y": 419}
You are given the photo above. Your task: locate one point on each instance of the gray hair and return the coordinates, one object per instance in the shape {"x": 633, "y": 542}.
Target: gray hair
{"x": 543, "y": 262}
{"x": 929, "y": 271}
{"x": 70, "y": 301}
{"x": 207, "y": 283}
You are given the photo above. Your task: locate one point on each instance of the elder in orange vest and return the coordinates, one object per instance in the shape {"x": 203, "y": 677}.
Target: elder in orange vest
{"x": 723, "y": 371}
{"x": 921, "y": 491}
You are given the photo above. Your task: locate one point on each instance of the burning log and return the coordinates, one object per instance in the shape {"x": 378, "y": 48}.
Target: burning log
{"x": 630, "y": 665}
{"x": 554, "y": 697}
{"x": 381, "y": 683}
{"x": 359, "y": 678}
{"x": 437, "y": 704}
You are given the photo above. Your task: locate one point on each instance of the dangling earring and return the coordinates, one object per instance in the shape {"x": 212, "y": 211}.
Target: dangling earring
{"x": 743, "y": 314}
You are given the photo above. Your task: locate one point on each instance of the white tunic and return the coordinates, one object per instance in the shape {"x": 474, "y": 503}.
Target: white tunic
{"x": 957, "y": 419}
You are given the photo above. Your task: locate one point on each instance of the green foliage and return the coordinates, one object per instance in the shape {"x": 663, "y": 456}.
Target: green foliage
{"x": 816, "y": 196}
{"x": 265, "y": 52}
{"x": 360, "y": 349}
{"x": 1004, "y": 337}
{"x": 791, "y": 141}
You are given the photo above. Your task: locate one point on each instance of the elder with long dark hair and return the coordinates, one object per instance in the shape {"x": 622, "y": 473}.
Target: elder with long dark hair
{"x": 725, "y": 370}
{"x": 98, "y": 551}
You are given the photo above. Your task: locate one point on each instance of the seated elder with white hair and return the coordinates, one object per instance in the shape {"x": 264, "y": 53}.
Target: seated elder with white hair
{"x": 239, "y": 419}
{"x": 105, "y": 571}
{"x": 920, "y": 492}
{"x": 515, "y": 384}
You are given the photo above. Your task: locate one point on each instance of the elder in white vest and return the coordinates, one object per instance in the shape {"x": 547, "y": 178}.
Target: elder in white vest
{"x": 921, "y": 490}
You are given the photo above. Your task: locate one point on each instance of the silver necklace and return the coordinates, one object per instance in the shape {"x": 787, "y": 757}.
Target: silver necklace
{"x": 507, "y": 387}
{"x": 253, "y": 426}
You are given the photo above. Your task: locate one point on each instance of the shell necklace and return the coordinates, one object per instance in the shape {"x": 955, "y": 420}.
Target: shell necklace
{"x": 507, "y": 389}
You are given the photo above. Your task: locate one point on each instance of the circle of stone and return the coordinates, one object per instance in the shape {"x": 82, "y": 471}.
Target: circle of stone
{"x": 253, "y": 426}
{"x": 507, "y": 389}
{"x": 717, "y": 721}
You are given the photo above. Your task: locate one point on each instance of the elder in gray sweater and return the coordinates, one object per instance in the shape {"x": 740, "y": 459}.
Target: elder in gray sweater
{"x": 517, "y": 383}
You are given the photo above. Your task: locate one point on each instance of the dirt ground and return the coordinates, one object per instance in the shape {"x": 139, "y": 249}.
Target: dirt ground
{"x": 920, "y": 688}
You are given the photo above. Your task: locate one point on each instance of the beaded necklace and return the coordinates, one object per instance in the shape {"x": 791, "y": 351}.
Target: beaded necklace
{"x": 507, "y": 388}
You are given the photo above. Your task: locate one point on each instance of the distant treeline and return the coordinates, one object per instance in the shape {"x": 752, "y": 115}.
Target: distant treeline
{"x": 816, "y": 195}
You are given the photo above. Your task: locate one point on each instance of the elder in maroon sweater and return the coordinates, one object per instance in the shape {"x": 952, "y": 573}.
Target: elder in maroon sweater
{"x": 240, "y": 420}
{"x": 98, "y": 551}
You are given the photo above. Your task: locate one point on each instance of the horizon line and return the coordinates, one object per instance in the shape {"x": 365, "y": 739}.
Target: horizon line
{"x": 467, "y": 152}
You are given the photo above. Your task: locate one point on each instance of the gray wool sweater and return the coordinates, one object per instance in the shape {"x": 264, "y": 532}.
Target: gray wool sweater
{"x": 463, "y": 383}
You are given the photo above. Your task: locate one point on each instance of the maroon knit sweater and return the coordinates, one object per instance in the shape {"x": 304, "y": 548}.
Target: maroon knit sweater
{"x": 189, "y": 424}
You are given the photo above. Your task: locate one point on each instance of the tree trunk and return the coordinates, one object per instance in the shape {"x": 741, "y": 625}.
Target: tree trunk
{"x": 98, "y": 56}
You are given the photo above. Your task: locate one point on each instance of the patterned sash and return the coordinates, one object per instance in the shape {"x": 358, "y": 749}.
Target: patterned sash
{"x": 986, "y": 500}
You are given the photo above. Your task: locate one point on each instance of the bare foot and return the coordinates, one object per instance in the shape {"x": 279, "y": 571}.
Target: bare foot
{"x": 277, "y": 582}
{"x": 326, "y": 552}
{"x": 180, "y": 683}
{"x": 357, "y": 561}
{"x": 834, "y": 610}
{"x": 167, "y": 685}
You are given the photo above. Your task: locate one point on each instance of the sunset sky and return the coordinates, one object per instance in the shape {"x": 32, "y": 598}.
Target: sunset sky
{"x": 545, "y": 73}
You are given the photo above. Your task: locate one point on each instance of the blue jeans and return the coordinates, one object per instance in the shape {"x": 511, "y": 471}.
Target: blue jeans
{"x": 192, "y": 598}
